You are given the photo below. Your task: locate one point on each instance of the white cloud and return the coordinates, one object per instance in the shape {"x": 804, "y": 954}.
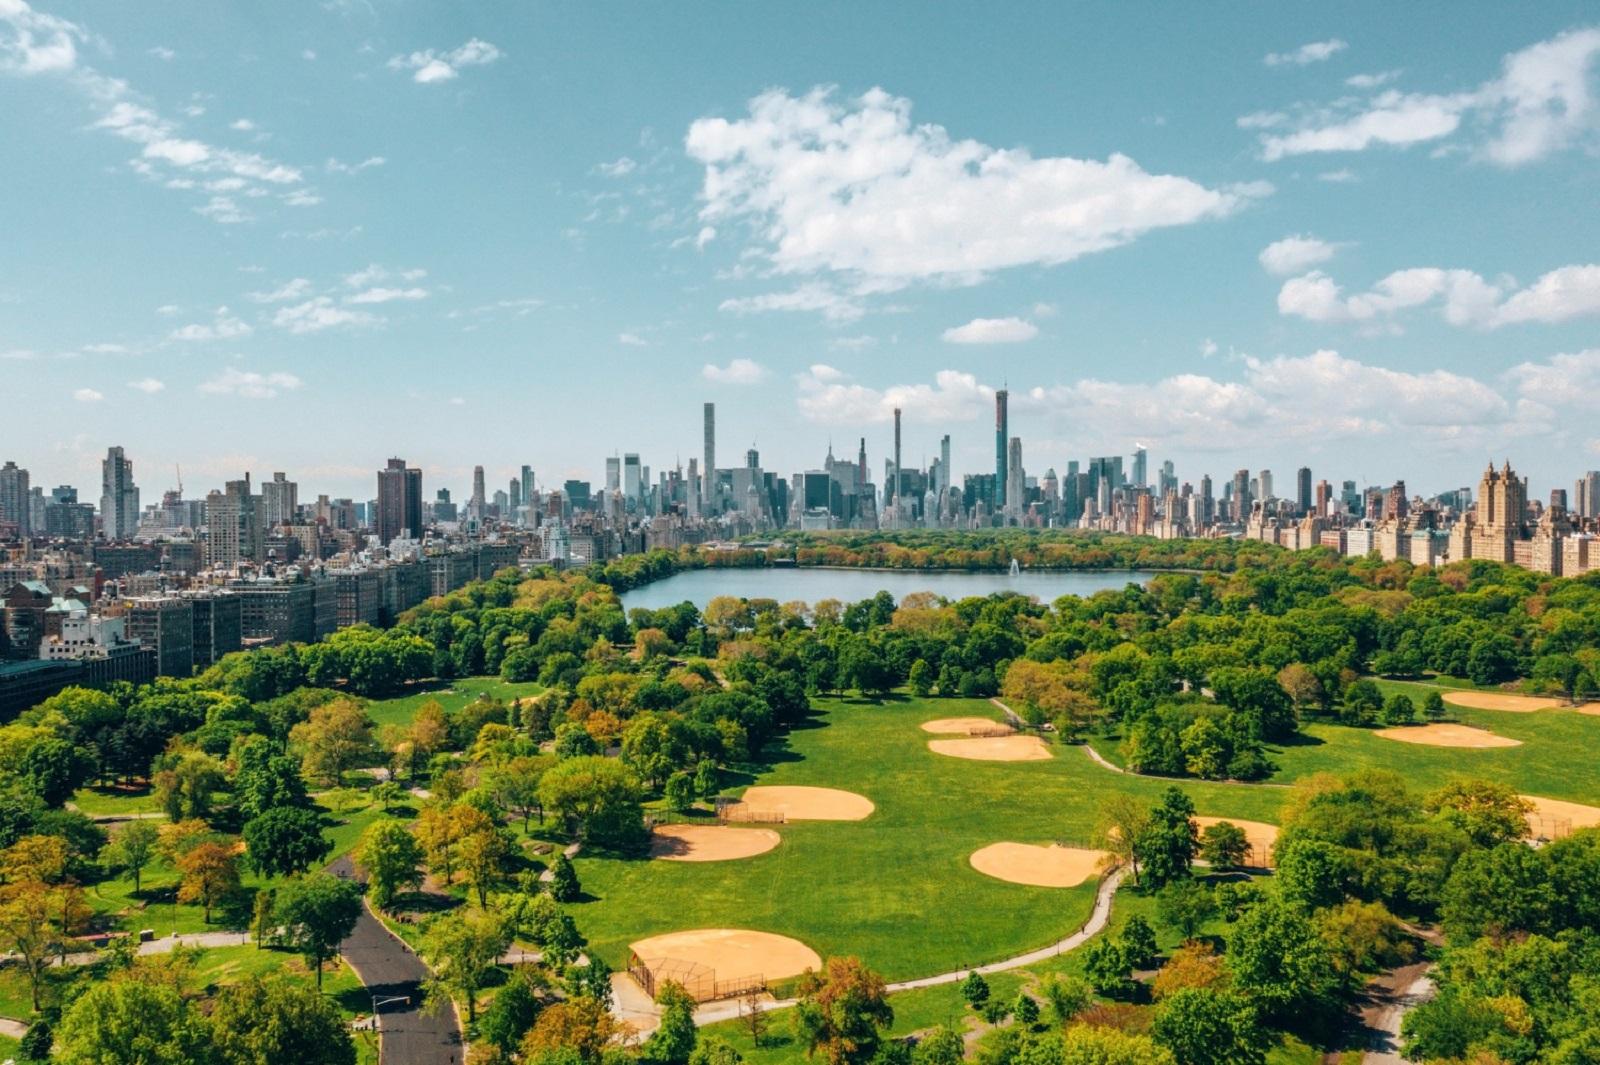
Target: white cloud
{"x": 1342, "y": 176}
{"x": 87, "y": 395}
{"x": 373, "y": 273}
{"x": 334, "y": 166}
{"x": 36, "y": 43}
{"x": 737, "y": 372}
{"x": 223, "y": 326}
{"x": 243, "y": 125}
{"x": 1467, "y": 298}
{"x": 163, "y": 53}
{"x": 1292, "y": 255}
{"x": 1543, "y": 101}
{"x": 991, "y": 331}
{"x": 828, "y": 396}
{"x": 1306, "y": 54}
{"x": 1371, "y": 81}
{"x": 632, "y": 340}
{"x": 148, "y": 385}
{"x": 308, "y": 55}
{"x": 1045, "y": 310}
{"x": 618, "y": 167}
{"x": 289, "y": 290}
{"x": 812, "y": 296}
{"x": 1208, "y": 348}
{"x": 106, "y": 349}
{"x": 317, "y": 314}
{"x": 302, "y": 198}
{"x": 856, "y": 189}
{"x": 387, "y": 295}
{"x": 167, "y": 310}
{"x": 429, "y": 66}
{"x": 706, "y": 235}
{"x": 250, "y": 385}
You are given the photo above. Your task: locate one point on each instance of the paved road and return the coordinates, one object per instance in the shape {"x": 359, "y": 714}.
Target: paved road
{"x": 390, "y": 970}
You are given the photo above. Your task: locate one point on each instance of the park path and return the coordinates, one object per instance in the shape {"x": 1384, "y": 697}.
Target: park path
{"x": 1099, "y": 917}
{"x": 394, "y": 977}
{"x": 1387, "y": 998}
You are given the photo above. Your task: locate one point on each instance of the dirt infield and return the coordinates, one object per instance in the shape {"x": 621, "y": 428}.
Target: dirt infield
{"x": 1052, "y": 866}
{"x": 806, "y": 804}
{"x": 1554, "y": 818}
{"x": 1516, "y": 704}
{"x": 710, "y": 843}
{"x": 966, "y": 726}
{"x": 1259, "y": 834}
{"x": 994, "y": 749}
{"x": 1437, "y": 735}
{"x": 708, "y": 960}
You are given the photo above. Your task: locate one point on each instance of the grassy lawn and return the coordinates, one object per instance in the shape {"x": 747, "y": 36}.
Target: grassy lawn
{"x": 897, "y": 888}
{"x": 104, "y": 802}
{"x": 451, "y": 696}
{"x": 1556, "y": 758}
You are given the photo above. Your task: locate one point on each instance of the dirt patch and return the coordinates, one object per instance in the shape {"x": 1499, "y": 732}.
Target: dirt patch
{"x": 994, "y": 749}
{"x": 1439, "y": 735}
{"x": 1259, "y": 834}
{"x": 708, "y": 962}
{"x": 803, "y": 804}
{"x": 967, "y": 726}
{"x": 1556, "y": 818}
{"x": 1025, "y": 863}
{"x": 710, "y": 843}
{"x": 1516, "y": 704}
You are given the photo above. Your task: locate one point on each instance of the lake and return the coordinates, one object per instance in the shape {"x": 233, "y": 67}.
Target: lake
{"x": 811, "y": 585}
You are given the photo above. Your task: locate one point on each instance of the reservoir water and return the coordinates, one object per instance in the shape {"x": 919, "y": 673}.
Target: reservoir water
{"x": 813, "y": 584}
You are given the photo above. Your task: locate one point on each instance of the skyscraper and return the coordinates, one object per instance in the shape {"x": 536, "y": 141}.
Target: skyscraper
{"x": 894, "y": 481}
{"x": 944, "y": 466}
{"x": 399, "y": 502}
{"x": 1302, "y": 482}
{"x": 119, "y": 496}
{"x": 529, "y": 496}
{"x": 1586, "y": 495}
{"x": 234, "y": 531}
{"x": 1014, "y": 479}
{"x": 1241, "y": 495}
{"x": 1141, "y": 461}
{"x": 280, "y": 497}
{"x": 1266, "y": 485}
{"x": 632, "y": 481}
{"x": 14, "y": 505}
{"x": 1002, "y": 429}
{"x": 708, "y": 471}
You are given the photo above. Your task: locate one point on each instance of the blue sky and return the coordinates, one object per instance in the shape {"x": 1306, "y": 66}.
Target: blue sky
{"x": 308, "y": 236}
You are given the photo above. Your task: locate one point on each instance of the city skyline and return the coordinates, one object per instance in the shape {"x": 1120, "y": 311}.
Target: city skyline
{"x": 461, "y": 237}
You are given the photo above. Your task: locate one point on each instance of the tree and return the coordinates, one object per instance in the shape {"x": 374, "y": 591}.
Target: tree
{"x": 599, "y": 799}
{"x": 485, "y": 850}
{"x": 1067, "y": 996}
{"x": 1207, "y": 1027}
{"x": 285, "y": 840}
{"x": 267, "y": 779}
{"x": 53, "y": 769}
{"x": 1398, "y": 709}
{"x": 392, "y": 858}
{"x": 1139, "y": 942}
{"x": 753, "y": 1016}
{"x": 1191, "y": 965}
{"x": 679, "y": 792}
{"x": 1312, "y": 872}
{"x": 465, "y": 948}
{"x": 28, "y": 929}
{"x": 210, "y": 874}
{"x": 1185, "y": 906}
{"x": 133, "y": 1022}
{"x": 1225, "y": 846}
{"x": 576, "y": 1031}
{"x": 263, "y": 916}
{"x": 131, "y": 849}
{"x": 337, "y": 735}
{"x": 975, "y": 990}
{"x": 1168, "y": 843}
{"x": 564, "y": 885}
{"x": 942, "y": 1046}
{"x": 1489, "y": 813}
{"x": 656, "y": 746}
{"x": 510, "y": 1015}
{"x": 37, "y": 1041}
{"x": 186, "y": 782}
{"x": 276, "y": 1019}
{"x": 516, "y": 784}
{"x": 1278, "y": 960}
{"x": 318, "y": 912}
{"x": 841, "y": 1012}
{"x": 1026, "y": 1011}
{"x": 1433, "y": 707}
{"x": 1089, "y": 1045}
{"x": 673, "y": 1041}
{"x": 713, "y": 1051}
{"x": 1121, "y": 822}
{"x": 1108, "y": 968}
{"x": 920, "y": 678}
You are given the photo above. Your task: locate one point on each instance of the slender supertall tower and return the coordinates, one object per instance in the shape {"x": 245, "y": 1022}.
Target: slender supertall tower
{"x": 894, "y": 482}
{"x": 708, "y": 472}
{"x": 944, "y": 465}
{"x": 1001, "y": 428}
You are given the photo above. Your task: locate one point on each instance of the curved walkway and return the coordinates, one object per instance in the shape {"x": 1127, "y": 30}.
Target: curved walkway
{"x": 390, "y": 970}
{"x": 1099, "y": 917}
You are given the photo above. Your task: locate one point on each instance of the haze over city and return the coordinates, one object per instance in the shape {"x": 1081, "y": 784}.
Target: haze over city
{"x": 509, "y": 234}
